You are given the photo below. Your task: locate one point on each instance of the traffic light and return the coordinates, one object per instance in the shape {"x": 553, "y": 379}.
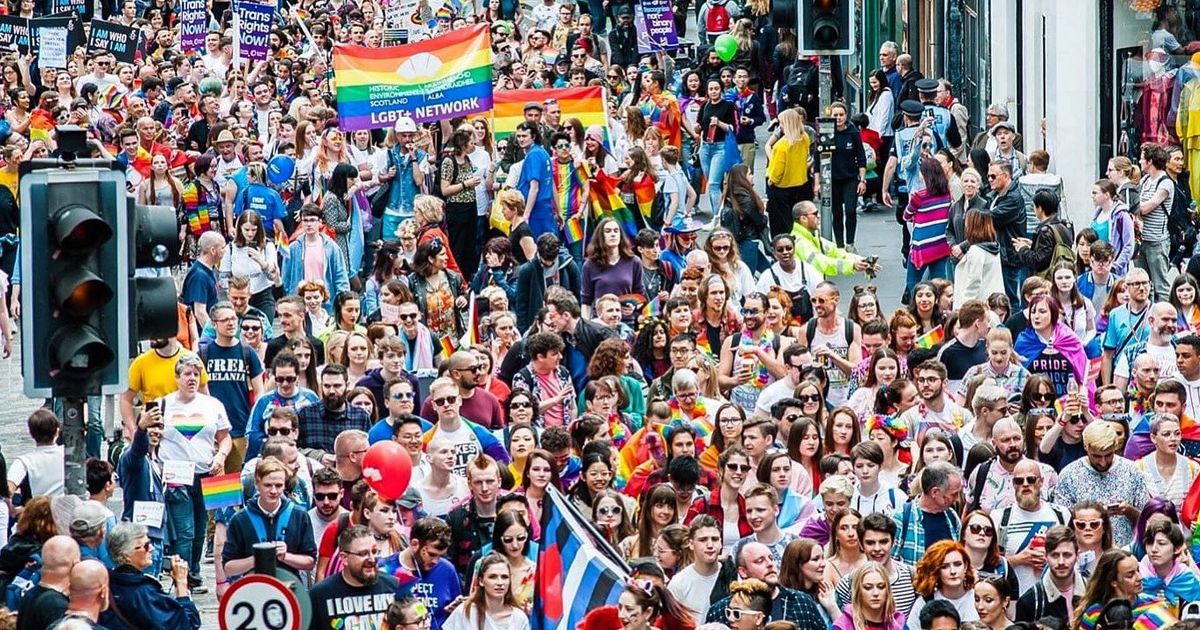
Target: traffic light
{"x": 74, "y": 277}
{"x": 154, "y": 243}
{"x": 826, "y": 27}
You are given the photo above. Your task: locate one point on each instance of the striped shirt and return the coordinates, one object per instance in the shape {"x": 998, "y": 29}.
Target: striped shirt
{"x": 929, "y": 214}
{"x": 1154, "y": 225}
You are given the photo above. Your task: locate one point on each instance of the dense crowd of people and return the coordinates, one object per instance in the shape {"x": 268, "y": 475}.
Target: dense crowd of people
{"x": 1006, "y": 441}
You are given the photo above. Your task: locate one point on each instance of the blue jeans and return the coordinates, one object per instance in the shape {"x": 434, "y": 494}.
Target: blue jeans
{"x": 932, "y": 271}
{"x": 188, "y": 523}
{"x": 712, "y": 161}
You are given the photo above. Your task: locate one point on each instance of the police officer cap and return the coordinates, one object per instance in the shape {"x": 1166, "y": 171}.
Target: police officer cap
{"x": 911, "y": 107}
{"x": 927, "y": 86}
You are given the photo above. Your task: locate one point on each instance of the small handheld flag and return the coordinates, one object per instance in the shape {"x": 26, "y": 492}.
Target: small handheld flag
{"x": 222, "y": 491}
{"x": 931, "y": 338}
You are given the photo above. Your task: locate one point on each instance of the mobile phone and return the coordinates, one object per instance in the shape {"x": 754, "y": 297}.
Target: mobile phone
{"x": 153, "y": 404}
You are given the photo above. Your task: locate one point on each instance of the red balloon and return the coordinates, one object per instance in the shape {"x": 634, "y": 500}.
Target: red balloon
{"x": 387, "y": 469}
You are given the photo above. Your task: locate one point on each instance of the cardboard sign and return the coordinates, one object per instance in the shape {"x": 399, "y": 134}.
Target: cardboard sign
{"x": 148, "y": 513}
{"x": 179, "y": 472}
{"x": 121, "y": 41}
{"x": 56, "y": 38}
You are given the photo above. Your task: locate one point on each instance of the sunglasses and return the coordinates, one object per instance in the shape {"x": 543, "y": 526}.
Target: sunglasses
{"x": 737, "y": 614}
{"x": 1043, "y": 396}
{"x": 521, "y": 405}
{"x": 1025, "y": 481}
{"x": 976, "y": 528}
{"x": 325, "y": 496}
{"x": 403, "y": 396}
{"x": 809, "y": 398}
{"x": 608, "y": 510}
{"x": 1088, "y": 525}
{"x": 562, "y": 146}
{"x": 251, "y": 328}
{"x": 287, "y": 431}
{"x": 751, "y": 311}
{"x": 508, "y": 540}
{"x": 445, "y": 400}
{"x": 738, "y": 467}
{"x": 286, "y": 379}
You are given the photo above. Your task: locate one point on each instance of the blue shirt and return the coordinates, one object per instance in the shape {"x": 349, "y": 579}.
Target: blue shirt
{"x": 537, "y": 168}
{"x": 229, "y": 373}
{"x": 263, "y": 200}
{"x": 1120, "y": 322}
{"x": 382, "y": 431}
{"x": 264, "y": 407}
{"x": 199, "y": 286}
{"x": 436, "y": 588}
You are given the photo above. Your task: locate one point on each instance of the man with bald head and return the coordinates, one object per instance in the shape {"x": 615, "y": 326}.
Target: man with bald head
{"x": 991, "y": 483}
{"x": 88, "y": 589}
{"x": 477, "y": 405}
{"x": 1023, "y": 526}
{"x": 47, "y": 600}
{"x": 1159, "y": 344}
{"x": 755, "y": 560}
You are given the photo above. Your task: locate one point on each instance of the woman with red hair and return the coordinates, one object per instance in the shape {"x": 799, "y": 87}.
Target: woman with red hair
{"x": 944, "y": 572}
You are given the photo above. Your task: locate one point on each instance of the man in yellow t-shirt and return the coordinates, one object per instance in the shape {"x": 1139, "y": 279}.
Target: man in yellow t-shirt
{"x": 152, "y": 375}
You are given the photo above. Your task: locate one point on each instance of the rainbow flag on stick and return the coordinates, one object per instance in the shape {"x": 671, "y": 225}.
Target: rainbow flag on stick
{"x": 931, "y": 338}
{"x": 574, "y": 229}
{"x": 222, "y": 491}
{"x": 447, "y": 345}
{"x": 584, "y": 103}
{"x": 435, "y": 79}
{"x": 606, "y": 202}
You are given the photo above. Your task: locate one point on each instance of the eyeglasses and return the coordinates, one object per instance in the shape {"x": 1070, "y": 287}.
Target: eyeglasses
{"x": 1113, "y": 401}
{"x": 508, "y": 540}
{"x": 445, "y": 400}
{"x": 729, "y": 420}
{"x": 1088, "y": 525}
{"x": 326, "y": 496}
{"x": 976, "y": 528}
{"x": 361, "y": 555}
{"x": 403, "y": 396}
{"x": 279, "y": 431}
{"x": 608, "y": 510}
{"x": 737, "y": 467}
{"x": 423, "y": 620}
{"x": 1026, "y": 481}
{"x": 809, "y": 398}
{"x": 285, "y": 379}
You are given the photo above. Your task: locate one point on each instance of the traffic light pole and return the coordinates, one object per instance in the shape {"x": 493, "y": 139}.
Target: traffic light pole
{"x": 73, "y": 434}
{"x": 825, "y": 131}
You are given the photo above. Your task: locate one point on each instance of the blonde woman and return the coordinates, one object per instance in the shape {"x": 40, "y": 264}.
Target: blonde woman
{"x": 872, "y": 606}
{"x": 512, "y": 205}
{"x": 787, "y": 171}
{"x": 429, "y": 212}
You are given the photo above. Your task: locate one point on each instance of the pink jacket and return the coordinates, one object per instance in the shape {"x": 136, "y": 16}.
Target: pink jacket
{"x": 845, "y": 621}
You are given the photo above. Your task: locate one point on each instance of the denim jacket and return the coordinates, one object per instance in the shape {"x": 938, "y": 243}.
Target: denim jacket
{"x": 404, "y": 190}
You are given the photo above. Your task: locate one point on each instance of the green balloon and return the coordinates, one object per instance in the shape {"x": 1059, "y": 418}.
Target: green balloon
{"x": 726, "y": 47}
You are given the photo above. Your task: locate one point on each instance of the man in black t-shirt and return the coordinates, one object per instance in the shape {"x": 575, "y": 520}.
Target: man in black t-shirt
{"x": 967, "y": 349}
{"x": 47, "y": 601}
{"x": 359, "y": 596}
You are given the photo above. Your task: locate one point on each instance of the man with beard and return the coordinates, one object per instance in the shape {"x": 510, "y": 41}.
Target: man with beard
{"x": 321, "y": 422}
{"x": 1167, "y": 397}
{"x": 285, "y": 371}
{"x": 755, "y": 560}
{"x": 359, "y": 596}
{"x": 289, "y": 312}
{"x": 1053, "y": 594}
{"x": 1128, "y": 323}
{"x": 992, "y": 482}
{"x": 835, "y": 341}
{"x": 327, "y": 500}
{"x": 1159, "y": 345}
{"x": 936, "y": 410}
{"x": 1022, "y": 527}
{"x": 877, "y": 533}
{"x": 477, "y": 405}
{"x": 1106, "y": 477}
{"x": 432, "y": 577}
{"x": 152, "y": 376}
{"x": 750, "y": 359}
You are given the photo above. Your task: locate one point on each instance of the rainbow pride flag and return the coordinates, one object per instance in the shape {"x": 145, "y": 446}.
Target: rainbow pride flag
{"x": 584, "y": 103}
{"x": 222, "y": 491}
{"x": 435, "y": 79}
{"x": 653, "y": 308}
{"x": 574, "y": 229}
{"x": 447, "y": 345}
{"x": 931, "y": 338}
{"x": 606, "y": 202}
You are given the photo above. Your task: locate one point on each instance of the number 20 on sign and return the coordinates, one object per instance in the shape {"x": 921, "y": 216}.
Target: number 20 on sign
{"x": 259, "y": 602}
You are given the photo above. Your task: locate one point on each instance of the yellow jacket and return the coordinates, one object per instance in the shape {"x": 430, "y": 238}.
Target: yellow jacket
{"x": 788, "y": 165}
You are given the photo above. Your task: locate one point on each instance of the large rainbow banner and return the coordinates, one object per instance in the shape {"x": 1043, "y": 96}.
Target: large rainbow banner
{"x": 584, "y": 103}
{"x": 431, "y": 80}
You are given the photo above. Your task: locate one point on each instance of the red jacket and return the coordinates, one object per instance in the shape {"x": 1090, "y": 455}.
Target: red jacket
{"x": 712, "y": 507}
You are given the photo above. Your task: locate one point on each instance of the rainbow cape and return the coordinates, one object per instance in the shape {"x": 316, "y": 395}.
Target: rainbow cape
{"x": 606, "y": 202}
{"x": 584, "y": 103}
{"x": 644, "y": 191}
{"x": 435, "y": 79}
{"x": 222, "y": 490}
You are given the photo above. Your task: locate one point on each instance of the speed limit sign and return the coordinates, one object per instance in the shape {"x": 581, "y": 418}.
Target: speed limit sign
{"x": 259, "y": 602}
